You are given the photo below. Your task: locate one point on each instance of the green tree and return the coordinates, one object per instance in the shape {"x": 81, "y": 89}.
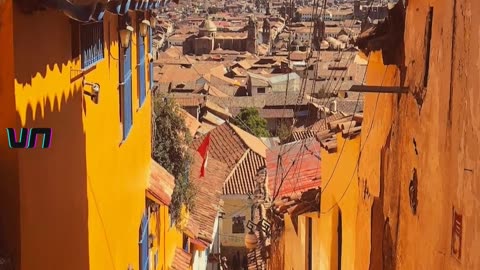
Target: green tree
{"x": 249, "y": 119}
{"x": 171, "y": 138}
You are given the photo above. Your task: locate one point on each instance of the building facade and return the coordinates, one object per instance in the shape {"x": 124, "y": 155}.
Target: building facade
{"x": 79, "y": 203}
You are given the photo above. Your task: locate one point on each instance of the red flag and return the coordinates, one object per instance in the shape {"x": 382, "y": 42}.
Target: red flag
{"x": 203, "y": 150}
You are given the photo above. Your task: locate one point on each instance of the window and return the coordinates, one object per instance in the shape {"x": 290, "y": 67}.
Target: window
{"x": 185, "y": 242}
{"x": 144, "y": 245}
{"x": 150, "y": 50}
{"x": 126, "y": 90}
{"x": 261, "y": 90}
{"x": 91, "y": 44}
{"x": 238, "y": 224}
{"x": 141, "y": 65}
{"x": 309, "y": 243}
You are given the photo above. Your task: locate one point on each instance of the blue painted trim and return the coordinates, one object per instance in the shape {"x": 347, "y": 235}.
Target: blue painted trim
{"x": 125, "y": 6}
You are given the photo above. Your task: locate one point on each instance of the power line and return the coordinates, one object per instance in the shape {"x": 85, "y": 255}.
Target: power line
{"x": 350, "y": 126}
{"x": 361, "y": 150}
{"x": 236, "y": 117}
{"x": 303, "y": 141}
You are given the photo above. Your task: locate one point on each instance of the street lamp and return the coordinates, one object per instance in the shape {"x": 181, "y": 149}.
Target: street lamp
{"x": 251, "y": 240}
{"x": 125, "y": 36}
{"x": 144, "y": 27}
{"x": 153, "y": 21}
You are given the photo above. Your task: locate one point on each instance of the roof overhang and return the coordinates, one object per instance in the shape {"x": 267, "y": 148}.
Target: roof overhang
{"x": 92, "y": 10}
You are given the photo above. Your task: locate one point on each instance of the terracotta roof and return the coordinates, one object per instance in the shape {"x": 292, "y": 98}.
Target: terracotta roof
{"x": 298, "y": 56}
{"x": 212, "y": 119}
{"x": 181, "y": 260}
{"x": 220, "y": 111}
{"x": 307, "y": 201}
{"x": 242, "y": 152}
{"x": 269, "y": 113}
{"x": 177, "y": 74}
{"x": 254, "y": 143}
{"x": 317, "y": 125}
{"x": 242, "y": 179}
{"x": 239, "y": 102}
{"x": 161, "y": 183}
{"x": 225, "y": 145}
{"x": 208, "y": 193}
{"x": 205, "y": 128}
{"x": 187, "y": 101}
{"x": 278, "y": 99}
{"x": 191, "y": 122}
{"x": 350, "y": 126}
{"x": 299, "y": 167}
{"x": 213, "y": 91}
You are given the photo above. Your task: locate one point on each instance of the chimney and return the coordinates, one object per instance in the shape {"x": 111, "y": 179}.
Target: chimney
{"x": 333, "y": 106}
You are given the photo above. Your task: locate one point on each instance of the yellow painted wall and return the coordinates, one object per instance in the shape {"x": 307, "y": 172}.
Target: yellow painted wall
{"x": 341, "y": 194}
{"x": 167, "y": 239}
{"x": 296, "y": 243}
{"x": 82, "y": 199}
{"x": 173, "y": 238}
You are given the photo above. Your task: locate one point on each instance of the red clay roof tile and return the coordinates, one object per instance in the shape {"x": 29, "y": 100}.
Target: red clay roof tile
{"x": 181, "y": 260}
{"x": 242, "y": 181}
{"x": 161, "y": 183}
{"x": 209, "y": 190}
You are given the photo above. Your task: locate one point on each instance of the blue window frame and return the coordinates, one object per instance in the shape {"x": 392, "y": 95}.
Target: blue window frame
{"x": 91, "y": 44}
{"x": 150, "y": 50}
{"x": 141, "y": 65}
{"x": 126, "y": 90}
{"x": 185, "y": 243}
{"x": 144, "y": 245}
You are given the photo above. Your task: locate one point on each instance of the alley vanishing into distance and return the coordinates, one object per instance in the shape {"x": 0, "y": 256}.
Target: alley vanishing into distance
{"x": 251, "y": 134}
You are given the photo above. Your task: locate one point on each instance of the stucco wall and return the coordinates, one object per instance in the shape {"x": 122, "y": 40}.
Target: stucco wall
{"x": 340, "y": 195}
{"x": 82, "y": 199}
{"x": 437, "y": 137}
{"x": 234, "y": 206}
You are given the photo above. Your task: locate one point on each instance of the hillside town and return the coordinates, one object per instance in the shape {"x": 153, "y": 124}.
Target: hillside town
{"x": 259, "y": 135}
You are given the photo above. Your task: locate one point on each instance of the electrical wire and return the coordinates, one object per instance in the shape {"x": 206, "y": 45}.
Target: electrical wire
{"x": 236, "y": 117}
{"x": 361, "y": 150}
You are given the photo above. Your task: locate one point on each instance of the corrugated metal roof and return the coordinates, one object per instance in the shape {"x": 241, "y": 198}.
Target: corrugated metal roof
{"x": 299, "y": 167}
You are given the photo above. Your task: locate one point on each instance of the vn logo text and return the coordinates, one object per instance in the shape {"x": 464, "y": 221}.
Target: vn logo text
{"x": 29, "y": 136}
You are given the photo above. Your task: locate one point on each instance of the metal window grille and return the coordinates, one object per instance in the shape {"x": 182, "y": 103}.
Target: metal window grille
{"x": 91, "y": 44}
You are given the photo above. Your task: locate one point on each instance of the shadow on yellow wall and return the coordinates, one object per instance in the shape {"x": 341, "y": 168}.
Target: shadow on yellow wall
{"x": 53, "y": 191}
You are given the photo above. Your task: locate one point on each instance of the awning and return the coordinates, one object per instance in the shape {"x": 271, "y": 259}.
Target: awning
{"x": 94, "y": 10}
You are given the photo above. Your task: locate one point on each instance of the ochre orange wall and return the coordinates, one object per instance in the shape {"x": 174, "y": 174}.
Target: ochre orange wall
{"x": 81, "y": 200}
{"x": 9, "y": 186}
{"x": 340, "y": 194}
{"x": 369, "y": 165}
{"x": 438, "y": 137}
